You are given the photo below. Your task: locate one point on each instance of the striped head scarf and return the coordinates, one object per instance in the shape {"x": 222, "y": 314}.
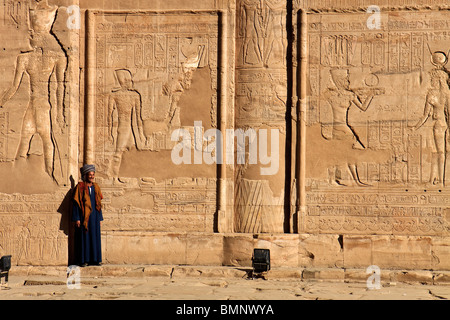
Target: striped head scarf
{"x": 86, "y": 169}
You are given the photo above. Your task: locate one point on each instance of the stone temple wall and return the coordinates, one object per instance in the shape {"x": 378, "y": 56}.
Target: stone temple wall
{"x": 317, "y": 129}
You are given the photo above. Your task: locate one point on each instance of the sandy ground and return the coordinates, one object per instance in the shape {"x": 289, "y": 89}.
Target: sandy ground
{"x": 28, "y": 287}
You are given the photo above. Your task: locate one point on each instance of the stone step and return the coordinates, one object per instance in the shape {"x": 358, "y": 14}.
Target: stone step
{"x": 387, "y": 277}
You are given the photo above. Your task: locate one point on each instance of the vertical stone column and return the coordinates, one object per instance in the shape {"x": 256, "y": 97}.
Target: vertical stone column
{"x": 261, "y": 100}
{"x": 224, "y": 222}
{"x": 301, "y": 131}
{"x": 89, "y": 116}
{"x": 74, "y": 90}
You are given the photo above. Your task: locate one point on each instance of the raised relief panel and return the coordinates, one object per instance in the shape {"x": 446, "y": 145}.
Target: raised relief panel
{"x": 155, "y": 75}
{"x": 31, "y": 230}
{"x": 40, "y": 93}
{"x": 39, "y": 111}
{"x": 377, "y": 125}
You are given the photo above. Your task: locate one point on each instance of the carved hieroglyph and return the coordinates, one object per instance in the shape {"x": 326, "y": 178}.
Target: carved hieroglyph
{"x": 377, "y": 123}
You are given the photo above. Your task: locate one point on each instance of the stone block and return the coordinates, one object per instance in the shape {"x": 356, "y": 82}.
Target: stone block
{"x": 203, "y": 249}
{"x": 401, "y": 252}
{"x": 283, "y": 248}
{"x": 238, "y": 250}
{"x": 440, "y": 251}
{"x": 325, "y": 274}
{"x": 442, "y": 278}
{"x": 150, "y": 248}
{"x": 357, "y": 251}
{"x": 320, "y": 250}
{"x": 424, "y": 277}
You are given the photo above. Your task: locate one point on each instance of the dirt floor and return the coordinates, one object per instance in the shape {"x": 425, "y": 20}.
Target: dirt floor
{"x": 170, "y": 292}
{"x": 191, "y": 287}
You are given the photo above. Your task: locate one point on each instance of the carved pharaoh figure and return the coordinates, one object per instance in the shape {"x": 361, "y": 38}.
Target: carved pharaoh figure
{"x": 250, "y": 30}
{"x": 273, "y": 29}
{"x": 127, "y": 101}
{"x": 175, "y": 88}
{"x": 46, "y": 59}
{"x": 41, "y": 19}
{"x": 341, "y": 98}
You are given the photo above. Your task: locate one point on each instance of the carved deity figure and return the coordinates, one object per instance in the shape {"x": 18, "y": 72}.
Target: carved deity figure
{"x": 175, "y": 88}
{"x": 437, "y": 108}
{"x": 45, "y": 60}
{"x": 273, "y": 29}
{"x": 42, "y": 17}
{"x": 127, "y": 101}
{"x": 251, "y": 30}
{"x": 262, "y": 28}
{"x": 439, "y": 60}
{"x": 341, "y": 98}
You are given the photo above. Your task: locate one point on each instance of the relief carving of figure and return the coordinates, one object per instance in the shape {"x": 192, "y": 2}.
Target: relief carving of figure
{"x": 175, "y": 88}
{"x": 46, "y": 59}
{"x": 273, "y": 29}
{"x": 437, "y": 108}
{"x": 440, "y": 59}
{"x": 165, "y": 114}
{"x": 341, "y": 98}
{"x": 262, "y": 31}
{"x": 127, "y": 101}
{"x": 250, "y": 30}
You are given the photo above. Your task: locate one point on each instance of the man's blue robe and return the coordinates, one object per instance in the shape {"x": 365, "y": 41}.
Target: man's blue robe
{"x": 88, "y": 248}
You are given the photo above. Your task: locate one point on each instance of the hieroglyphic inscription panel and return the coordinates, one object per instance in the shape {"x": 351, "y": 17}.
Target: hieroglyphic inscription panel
{"x": 171, "y": 205}
{"x": 377, "y": 123}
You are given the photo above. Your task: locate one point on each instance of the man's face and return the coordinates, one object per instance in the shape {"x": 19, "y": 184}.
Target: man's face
{"x": 90, "y": 177}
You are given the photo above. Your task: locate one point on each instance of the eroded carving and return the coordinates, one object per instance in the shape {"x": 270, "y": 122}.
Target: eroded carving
{"x": 163, "y": 56}
{"x": 341, "y": 98}
{"x": 44, "y": 62}
{"x": 127, "y": 103}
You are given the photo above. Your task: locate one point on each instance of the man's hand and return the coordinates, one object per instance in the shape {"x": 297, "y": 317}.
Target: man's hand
{"x": 78, "y": 224}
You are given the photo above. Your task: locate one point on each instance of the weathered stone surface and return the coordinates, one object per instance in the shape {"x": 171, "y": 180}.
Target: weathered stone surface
{"x": 357, "y": 251}
{"x": 440, "y": 253}
{"x": 238, "y": 250}
{"x": 393, "y": 252}
{"x": 316, "y": 129}
{"x": 320, "y": 251}
{"x": 155, "y": 248}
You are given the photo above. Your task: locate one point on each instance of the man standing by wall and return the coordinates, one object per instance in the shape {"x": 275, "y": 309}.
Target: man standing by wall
{"x": 87, "y": 215}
